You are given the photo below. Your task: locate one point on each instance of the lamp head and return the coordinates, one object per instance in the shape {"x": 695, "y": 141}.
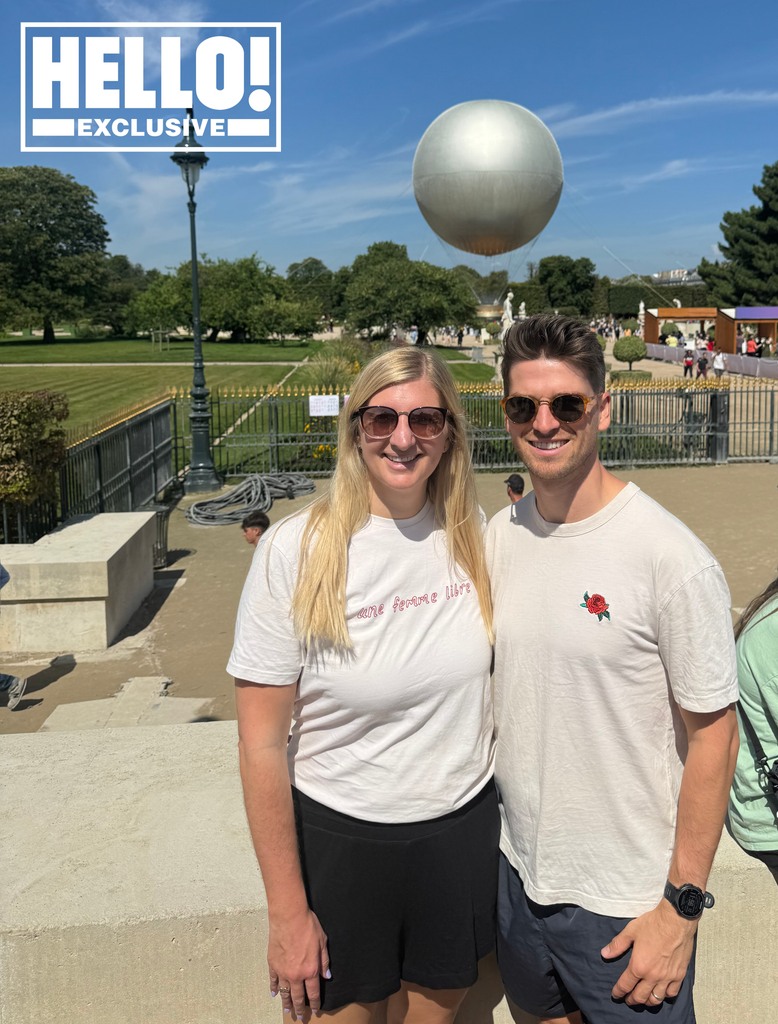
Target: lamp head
{"x": 189, "y": 156}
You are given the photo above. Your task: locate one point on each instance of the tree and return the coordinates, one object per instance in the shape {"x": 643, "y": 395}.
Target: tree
{"x": 749, "y": 274}
{"x": 568, "y": 282}
{"x": 629, "y": 349}
{"x": 486, "y": 288}
{"x": 311, "y": 281}
{"x": 162, "y": 306}
{"x": 228, "y": 289}
{"x": 282, "y": 318}
{"x": 386, "y": 287}
{"x": 122, "y": 281}
{"x": 52, "y": 246}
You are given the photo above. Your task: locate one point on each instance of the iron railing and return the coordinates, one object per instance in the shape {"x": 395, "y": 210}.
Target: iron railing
{"x": 127, "y": 464}
{"x": 652, "y": 424}
{"x": 119, "y": 468}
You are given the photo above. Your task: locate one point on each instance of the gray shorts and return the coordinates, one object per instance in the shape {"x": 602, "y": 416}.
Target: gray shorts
{"x": 550, "y": 960}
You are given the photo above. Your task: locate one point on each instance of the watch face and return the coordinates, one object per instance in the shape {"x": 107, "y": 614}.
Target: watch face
{"x": 690, "y": 901}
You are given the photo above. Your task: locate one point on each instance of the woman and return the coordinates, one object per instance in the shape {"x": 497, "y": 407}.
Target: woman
{"x": 365, "y": 630}
{"x": 752, "y": 820}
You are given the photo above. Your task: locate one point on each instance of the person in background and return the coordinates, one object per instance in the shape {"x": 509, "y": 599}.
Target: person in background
{"x": 14, "y": 686}
{"x": 253, "y": 526}
{"x": 515, "y": 488}
{"x": 718, "y": 363}
{"x": 753, "y": 818}
{"x": 364, "y": 629}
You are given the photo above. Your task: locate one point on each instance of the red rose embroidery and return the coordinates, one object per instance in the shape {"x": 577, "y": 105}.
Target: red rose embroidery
{"x": 596, "y": 605}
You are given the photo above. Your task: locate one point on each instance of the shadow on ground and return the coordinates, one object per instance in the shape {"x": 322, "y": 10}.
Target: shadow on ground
{"x": 164, "y": 583}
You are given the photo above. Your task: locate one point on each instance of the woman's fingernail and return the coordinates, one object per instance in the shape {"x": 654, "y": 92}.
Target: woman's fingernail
{"x": 328, "y": 974}
{"x": 273, "y": 994}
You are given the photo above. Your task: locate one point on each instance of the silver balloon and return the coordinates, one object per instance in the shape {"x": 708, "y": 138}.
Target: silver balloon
{"x": 487, "y": 176}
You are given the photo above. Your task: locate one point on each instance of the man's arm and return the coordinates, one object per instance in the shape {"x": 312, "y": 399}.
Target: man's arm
{"x": 297, "y": 946}
{"x": 662, "y": 941}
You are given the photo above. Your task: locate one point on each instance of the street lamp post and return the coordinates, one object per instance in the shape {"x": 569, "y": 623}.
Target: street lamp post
{"x": 190, "y": 157}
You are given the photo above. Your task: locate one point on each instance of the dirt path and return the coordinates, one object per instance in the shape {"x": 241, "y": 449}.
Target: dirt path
{"x": 184, "y": 629}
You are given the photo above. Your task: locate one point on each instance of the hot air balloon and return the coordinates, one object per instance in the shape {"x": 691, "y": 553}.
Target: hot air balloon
{"x": 487, "y": 176}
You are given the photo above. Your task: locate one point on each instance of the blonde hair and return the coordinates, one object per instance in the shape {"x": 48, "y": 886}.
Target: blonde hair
{"x": 319, "y": 601}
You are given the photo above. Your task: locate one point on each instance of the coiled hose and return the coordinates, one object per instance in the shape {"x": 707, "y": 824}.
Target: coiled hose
{"x": 254, "y": 494}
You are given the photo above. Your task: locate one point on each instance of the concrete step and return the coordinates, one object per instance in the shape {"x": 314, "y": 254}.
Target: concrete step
{"x": 142, "y": 700}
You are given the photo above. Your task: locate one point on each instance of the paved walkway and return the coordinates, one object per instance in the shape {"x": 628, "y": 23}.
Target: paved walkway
{"x": 183, "y": 631}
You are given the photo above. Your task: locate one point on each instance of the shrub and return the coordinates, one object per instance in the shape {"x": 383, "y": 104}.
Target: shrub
{"x": 669, "y": 328}
{"x": 493, "y": 328}
{"x": 32, "y": 444}
{"x": 630, "y": 325}
{"x": 90, "y": 332}
{"x": 625, "y": 376}
{"x": 602, "y": 341}
{"x": 629, "y": 350}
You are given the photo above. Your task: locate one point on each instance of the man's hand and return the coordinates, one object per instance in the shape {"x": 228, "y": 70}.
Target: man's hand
{"x": 662, "y": 944}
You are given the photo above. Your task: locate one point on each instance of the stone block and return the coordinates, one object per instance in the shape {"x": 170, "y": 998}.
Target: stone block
{"x": 76, "y": 588}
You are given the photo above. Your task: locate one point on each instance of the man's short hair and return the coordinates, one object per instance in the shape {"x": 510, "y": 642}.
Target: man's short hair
{"x": 255, "y": 519}
{"x": 549, "y": 336}
{"x": 516, "y": 483}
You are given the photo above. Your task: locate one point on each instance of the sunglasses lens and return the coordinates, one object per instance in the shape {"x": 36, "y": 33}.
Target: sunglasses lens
{"x": 378, "y": 421}
{"x": 568, "y": 408}
{"x": 427, "y": 422}
{"x": 520, "y": 409}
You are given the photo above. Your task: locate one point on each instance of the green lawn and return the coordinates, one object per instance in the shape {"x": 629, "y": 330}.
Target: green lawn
{"x": 472, "y": 373}
{"x": 96, "y": 392}
{"x": 30, "y": 350}
{"x": 99, "y": 391}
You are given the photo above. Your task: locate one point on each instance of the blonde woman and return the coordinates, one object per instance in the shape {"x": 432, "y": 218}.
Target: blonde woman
{"x": 364, "y": 630}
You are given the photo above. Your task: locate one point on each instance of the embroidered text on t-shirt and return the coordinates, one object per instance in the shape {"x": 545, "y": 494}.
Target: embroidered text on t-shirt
{"x": 402, "y": 604}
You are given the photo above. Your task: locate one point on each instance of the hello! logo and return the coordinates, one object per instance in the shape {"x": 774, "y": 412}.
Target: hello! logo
{"x": 113, "y": 87}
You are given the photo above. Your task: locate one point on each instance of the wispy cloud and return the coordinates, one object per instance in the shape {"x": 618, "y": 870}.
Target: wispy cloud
{"x": 433, "y": 26}
{"x": 367, "y": 7}
{"x": 612, "y": 119}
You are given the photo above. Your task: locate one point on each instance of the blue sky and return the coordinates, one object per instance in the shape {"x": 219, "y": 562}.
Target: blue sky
{"x": 665, "y": 114}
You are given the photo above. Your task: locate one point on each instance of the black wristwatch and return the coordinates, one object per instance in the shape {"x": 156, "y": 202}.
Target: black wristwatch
{"x": 689, "y": 900}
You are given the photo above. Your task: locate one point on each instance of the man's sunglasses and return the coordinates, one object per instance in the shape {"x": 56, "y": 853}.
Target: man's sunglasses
{"x": 379, "y": 421}
{"x": 565, "y": 408}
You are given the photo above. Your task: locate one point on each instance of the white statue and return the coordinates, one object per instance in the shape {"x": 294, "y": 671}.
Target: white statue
{"x": 523, "y": 311}
{"x": 507, "y": 314}
{"x": 642, "y": 308}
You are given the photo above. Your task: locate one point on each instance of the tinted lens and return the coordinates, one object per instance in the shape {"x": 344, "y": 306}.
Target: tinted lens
{"x": 378, "y": 421}
{"x": 565, "y": 408}
{"x": 519, "y": 409}
{"x": 427, "y": 422}
{"x": 568, "y": 408}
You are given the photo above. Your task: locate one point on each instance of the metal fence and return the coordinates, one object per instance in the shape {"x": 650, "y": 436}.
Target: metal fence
{"x": 666, "y": 423}
{"x": 124, "y": 466}
{"x": 120, "y": 468}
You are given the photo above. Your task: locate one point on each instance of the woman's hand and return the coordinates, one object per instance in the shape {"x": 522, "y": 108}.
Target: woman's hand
{"x": 297, "y": 955}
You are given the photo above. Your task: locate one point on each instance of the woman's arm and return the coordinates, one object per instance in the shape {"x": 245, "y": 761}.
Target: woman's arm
{"x": 297, "y": 946}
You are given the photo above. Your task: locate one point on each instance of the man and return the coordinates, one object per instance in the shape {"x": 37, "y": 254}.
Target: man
{"x": 253, "y": 526}
{"x": 515, "y": 488}
{"x": 614, "y": 687}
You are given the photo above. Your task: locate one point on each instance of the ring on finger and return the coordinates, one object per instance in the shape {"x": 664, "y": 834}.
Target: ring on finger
{"x": 659, "y": 999}
{"x": 284, "y": 991}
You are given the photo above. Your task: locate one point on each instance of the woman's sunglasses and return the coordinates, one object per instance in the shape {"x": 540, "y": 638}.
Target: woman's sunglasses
{"x": 565, "y": 408}
{"x": 426, "y": 422}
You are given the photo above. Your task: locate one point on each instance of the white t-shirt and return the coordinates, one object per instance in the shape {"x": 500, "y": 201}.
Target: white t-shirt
{"x": 400, "y": 729}
{"x": 590, "y": 744}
